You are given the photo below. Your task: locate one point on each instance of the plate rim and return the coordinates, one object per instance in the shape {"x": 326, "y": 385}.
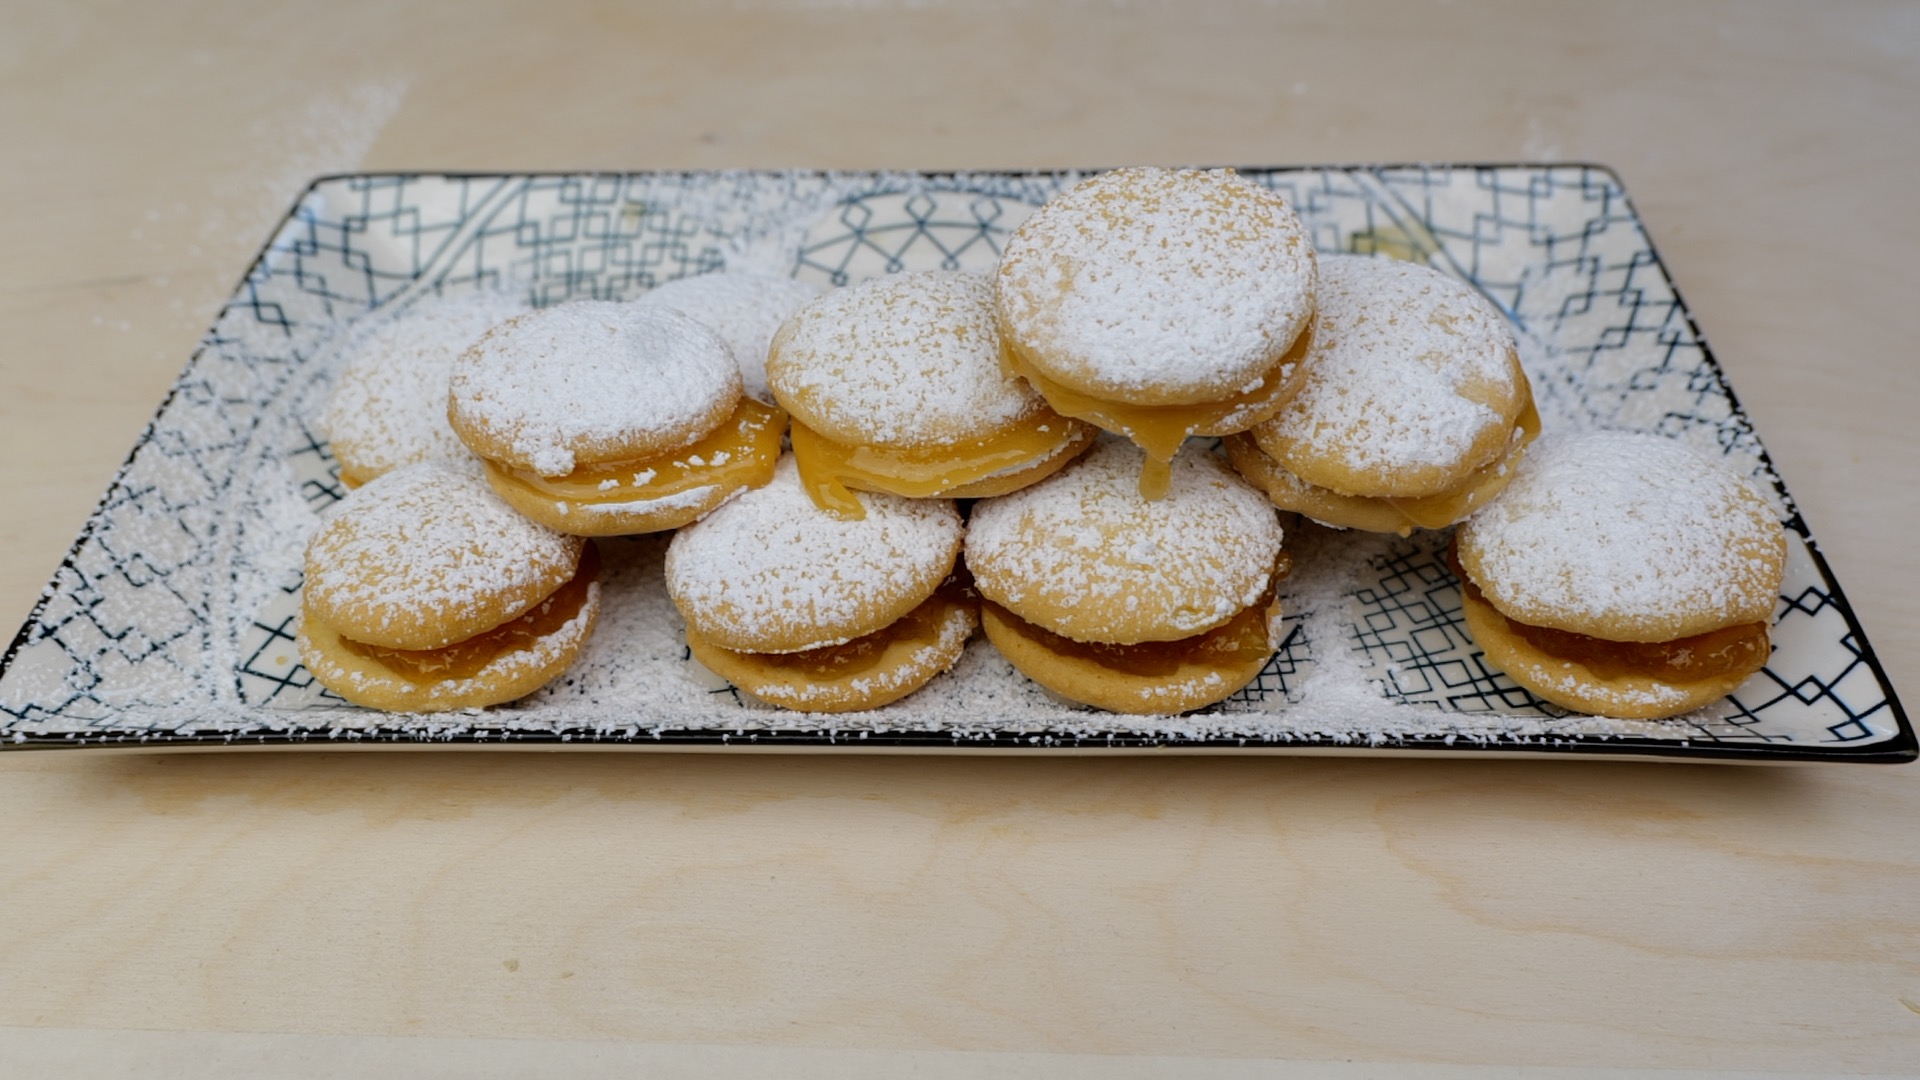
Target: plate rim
{"x": 1902, "y": 747}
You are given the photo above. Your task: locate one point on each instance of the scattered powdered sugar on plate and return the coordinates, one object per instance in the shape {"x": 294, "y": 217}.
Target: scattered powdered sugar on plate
{"x": 270, "y": 532}
{"x": 744, "y": 307}
{"x": 633, "y": 683}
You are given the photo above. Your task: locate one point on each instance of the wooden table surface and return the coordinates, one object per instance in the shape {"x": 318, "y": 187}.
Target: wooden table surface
{"x": 293, "y": 913}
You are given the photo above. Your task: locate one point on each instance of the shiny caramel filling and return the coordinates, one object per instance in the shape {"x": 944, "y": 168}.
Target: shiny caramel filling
{"x": 1731, "y": 650}
{"x": 1240, "y": 641}
{"x": 741, "y": 452}
{"x": 1440, "y": 510}
{"x": 829, "y": 469}
{"x": 918, "y": 628}
{"x": 1160, "y": 429}
{"x": 465, "y": 659}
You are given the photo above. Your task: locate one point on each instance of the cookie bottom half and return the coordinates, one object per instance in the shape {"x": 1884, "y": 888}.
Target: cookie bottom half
{"x": 1592, "y": 687}
{"x": 1163, "y": 677}
{"x": 865, "y": 673}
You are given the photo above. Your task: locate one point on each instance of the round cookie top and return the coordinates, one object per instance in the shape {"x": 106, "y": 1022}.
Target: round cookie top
{"x": 1412, "y": 383}
{"x": 772, "y": 572}
{"x": 901, "y": 362}
{"x": 1626, "y": 537}
{"x": 1083, "y": 555}
{"x": 1158, "y": 286}
{"x": 428, "y": 555}
{"x": 588, "y": 382}
{"x": 389, "y": 407}
{"x": 745, "y": 308}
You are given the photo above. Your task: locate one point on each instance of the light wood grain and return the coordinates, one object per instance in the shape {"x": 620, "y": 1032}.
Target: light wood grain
{"x": 1472, "y": 913}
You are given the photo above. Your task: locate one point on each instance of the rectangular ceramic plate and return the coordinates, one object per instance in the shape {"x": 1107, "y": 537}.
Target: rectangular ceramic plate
{"x": 170, "y": 623}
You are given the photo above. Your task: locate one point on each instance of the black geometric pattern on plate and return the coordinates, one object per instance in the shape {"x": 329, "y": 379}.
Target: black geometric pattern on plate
{"x": 169, "y": 622}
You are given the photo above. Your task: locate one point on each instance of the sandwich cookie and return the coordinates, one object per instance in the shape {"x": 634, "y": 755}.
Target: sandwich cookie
{"x": 1623, "y": 574}
{"x": 1414, "y": 408}
{"x": 389, "y": 407}
{"x": 1135, "y": 605}
{"x": 811, "y": 610}
{"x": 745, "y": 308}
{"x": 1158, "y": 304}
{"x": 896, "y": 385}
{"x": 602, "y": 419}
{"x": 424, "y": 592}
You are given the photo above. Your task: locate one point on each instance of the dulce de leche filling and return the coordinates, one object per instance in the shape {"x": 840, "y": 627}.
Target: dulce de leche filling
{"x": 828, "y": 469}
{"x": 1732, "y": 650}
{"x": 465, "y": 659}
{"x": 740, "y": 452}
{"x": 1160, "y": 429}
{"x": 1443, "y": 509}
{"x": 1242, "y": 640}
{"x": 850, "y": 659}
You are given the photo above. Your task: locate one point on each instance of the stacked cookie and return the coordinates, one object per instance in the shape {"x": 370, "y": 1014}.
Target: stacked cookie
{"x": 485, "y": 445}
{"x": 1015, "y": 450}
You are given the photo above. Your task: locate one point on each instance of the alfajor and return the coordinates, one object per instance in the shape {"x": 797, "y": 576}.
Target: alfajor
{"x": 1134, "y": 605}
{"x": 1623, "y": 574}
{"x": 1414, "y": 409}
{"x": 817, "y": 611}
{"x": 599, "y": 418}
{"x": 425, "y": 592}
{"x": 1158, "y": 304}
{"x": 895, "y": 385}
{"x": 389, "y": 405}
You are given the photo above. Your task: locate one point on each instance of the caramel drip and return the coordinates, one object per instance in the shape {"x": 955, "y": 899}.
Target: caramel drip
{"x": 465, "y": 659}
{"x": 1240, "y": 641}
{"x": 1730, "y": 650}
{"x": 1160, "y": 429}
{"x": 836, "y": 663}
{"x": 1439, "y": 511}
{"x": 742, "y": 450}
{"x": 829, "y": 468}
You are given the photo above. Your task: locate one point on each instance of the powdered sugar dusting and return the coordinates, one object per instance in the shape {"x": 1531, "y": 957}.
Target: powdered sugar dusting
{"x": 1403, "y": 366}
{"x": 679, "y": 500}
{"x": 1082, "y": 554}
{"x": 1175, "y": 282}
{"x": 1635, "y": 531}
{"x": 745, "y": 308}
{"x": 123, "y": 651}
{"x": 593, "y": 377}
{"x": 771, "y": 565}
{"x": 428, "y": 555}
{"x": 390, "y": 406}
{"x": 903, "y": 361}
